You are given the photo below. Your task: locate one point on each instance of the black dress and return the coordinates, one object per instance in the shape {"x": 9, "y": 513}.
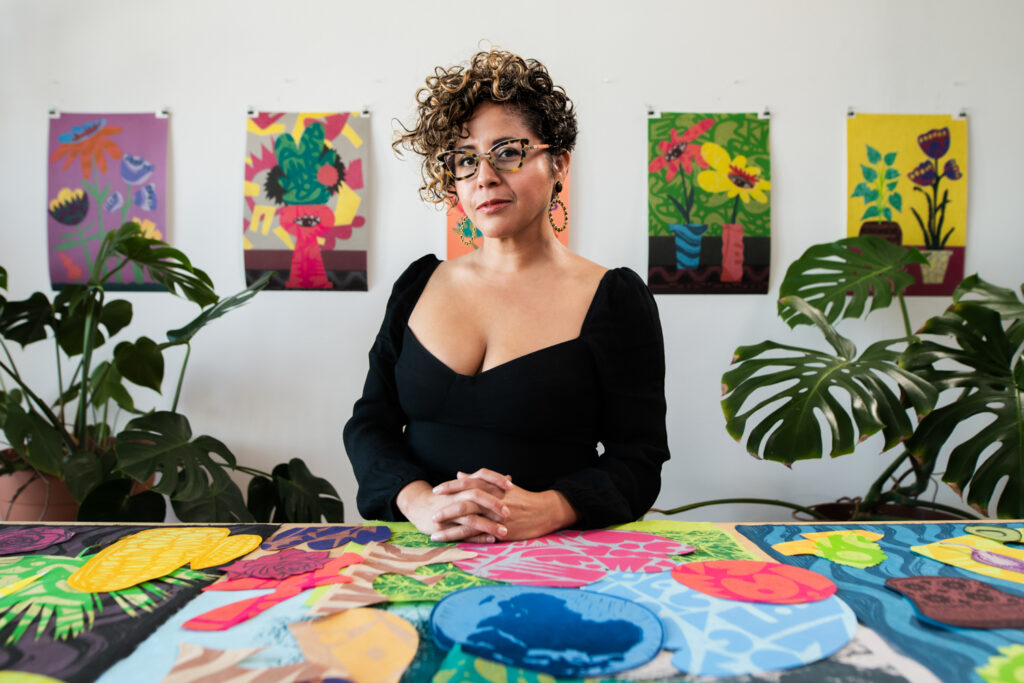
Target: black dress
{"x": 538, "y": 418}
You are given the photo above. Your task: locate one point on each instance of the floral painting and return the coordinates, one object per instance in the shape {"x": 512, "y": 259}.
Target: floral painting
{"x": 907, "y": 182}
{"x": 103, "y": 170}
{"x": 304, "y": 214}
{"x": 464, "y": 238}
{"x": 709, "y": 203}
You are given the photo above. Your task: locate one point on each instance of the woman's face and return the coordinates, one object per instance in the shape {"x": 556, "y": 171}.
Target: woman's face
{"x": 505, "y": 203}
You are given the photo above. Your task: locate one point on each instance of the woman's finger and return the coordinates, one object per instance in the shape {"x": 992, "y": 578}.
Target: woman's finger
{"x": 471, "y": 527}
{"x": 465, "y": 484}
{"x": 472, "y": 502}
{"x": 502, "y": 481}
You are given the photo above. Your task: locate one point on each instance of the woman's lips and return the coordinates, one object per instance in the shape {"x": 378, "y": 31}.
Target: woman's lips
{"x": 493, "y": 205}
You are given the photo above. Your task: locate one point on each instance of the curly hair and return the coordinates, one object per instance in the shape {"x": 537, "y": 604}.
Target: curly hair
{"x": 451, "y": 95}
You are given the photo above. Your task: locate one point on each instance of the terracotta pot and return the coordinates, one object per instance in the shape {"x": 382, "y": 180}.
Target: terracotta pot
{"x": 732, "y": 252}
{"x": 887, "y": 230}
{"x": 31, "y": 504}
{"x": 843, "y": 512}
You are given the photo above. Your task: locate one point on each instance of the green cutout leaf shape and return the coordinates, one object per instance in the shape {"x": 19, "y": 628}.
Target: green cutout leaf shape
{"x": 890, "y": 158}
{"x": 400, "y": 588}
{"x": 840, "y": 278}
{"x": 992, "y": 532}
{"x": 873, "y": 155}
{"x": 851, "y": 549}
{"x": 870, "y": 174}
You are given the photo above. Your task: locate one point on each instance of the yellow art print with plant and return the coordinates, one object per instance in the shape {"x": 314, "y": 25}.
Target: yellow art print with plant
{"x": 906, "y": 181}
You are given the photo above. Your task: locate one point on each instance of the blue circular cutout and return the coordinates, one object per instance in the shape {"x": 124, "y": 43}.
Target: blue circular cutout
{"x": 560, "y": 631}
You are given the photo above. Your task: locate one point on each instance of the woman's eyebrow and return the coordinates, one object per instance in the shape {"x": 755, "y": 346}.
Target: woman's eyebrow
{"x": 494, "y": 142}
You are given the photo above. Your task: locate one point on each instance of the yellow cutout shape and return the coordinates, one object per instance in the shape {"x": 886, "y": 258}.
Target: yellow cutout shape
{"x": 251, "y": 189}
{"x": 808, "y": 547}
{"x": 348, "y": 205}
{"x": 371, "y": 645}
{"x": 144, "y": 556}
{"x": 228, "y": 549}
{"x": 262, "y": 218}
{"x": 272, "y": 129}
{"x": 960, "y": 557}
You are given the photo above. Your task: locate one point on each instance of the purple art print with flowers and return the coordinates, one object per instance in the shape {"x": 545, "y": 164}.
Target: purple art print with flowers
{"x": 103, "y": 171}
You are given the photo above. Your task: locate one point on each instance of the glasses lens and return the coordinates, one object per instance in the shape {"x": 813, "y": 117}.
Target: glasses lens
{"x": 460, "y": 164}
{"x": 508, "y": 155}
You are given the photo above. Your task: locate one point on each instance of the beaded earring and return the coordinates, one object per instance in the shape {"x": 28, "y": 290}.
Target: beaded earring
{"x": 555, "y": 201}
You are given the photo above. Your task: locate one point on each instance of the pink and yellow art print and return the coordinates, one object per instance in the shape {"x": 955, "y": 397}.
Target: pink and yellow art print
{"x": 304, "y": 215}
{"x": 103, "y": 170}
{"x": 464, "y": 238}
{"x": 709, "y": 203}
{"x": 906, "y": 181}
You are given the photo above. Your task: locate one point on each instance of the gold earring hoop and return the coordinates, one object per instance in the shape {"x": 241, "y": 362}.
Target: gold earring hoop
{"x": 555, "y": 201}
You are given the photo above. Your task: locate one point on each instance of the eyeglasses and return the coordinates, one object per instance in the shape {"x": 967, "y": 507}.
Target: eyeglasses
{"x": 507, "y": 155}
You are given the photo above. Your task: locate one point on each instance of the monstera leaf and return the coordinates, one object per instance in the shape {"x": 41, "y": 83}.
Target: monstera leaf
{"x": 798, "y": 388}
{"x": 840, "y": 278}
{"x": 985, "y": 420}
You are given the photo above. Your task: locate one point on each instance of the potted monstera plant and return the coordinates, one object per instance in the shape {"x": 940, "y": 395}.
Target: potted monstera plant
{"x": 952, "y": 392}
{"x": 70, "y": 429}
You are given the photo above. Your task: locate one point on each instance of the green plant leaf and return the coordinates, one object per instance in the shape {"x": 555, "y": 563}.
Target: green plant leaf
{"x": 184, "y": 334}
{"x": 839, "y": 278}
{"x": 262, "y": 498}
{"x": 25, "y": 321}
{"x": 222, "y": 502}
{"x": 106, "y": 385}
{"x": 873, "y": 156}
{"x": 890, "y": 158}
{"x": 165, "y": 265}
{"x": 3, "y": 278}
{"x": 896, "y": 201}
{"x": 870, "y": 212}
{"x": 304, "y": 497}
{"x": 984, "y": 424}
{"x": 1002, "y": 300}
{"x": 141, "y": 362}
{"x": 796, "y": 392}
{"x": 116, "y": 315}
{"x": 162, "y": 442}
{"x": 870, "y": 174}
{"x": 861, "y": 190}
{"x": 39, "y": 443}
{"x": 891, "y": 173}
{"x": 887, "y": 212}
{"x": 84, "y": 471}
{"x": 112, "y": 502}
{"x": 892, "y": 186}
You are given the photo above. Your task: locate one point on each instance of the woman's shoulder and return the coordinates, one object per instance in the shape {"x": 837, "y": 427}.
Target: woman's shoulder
{"x": 622, "y": 297}
{"x": 417, "y": 273}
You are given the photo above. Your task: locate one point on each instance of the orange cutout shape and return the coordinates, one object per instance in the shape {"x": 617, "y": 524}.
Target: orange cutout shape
{"x": 228, "y": 549}
{"x": 143, "y": 557}
{"x": 754, "y": 581}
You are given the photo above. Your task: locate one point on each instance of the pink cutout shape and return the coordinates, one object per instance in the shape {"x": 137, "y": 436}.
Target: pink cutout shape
{"x": 279, "y": 565}
{"x": 754, "y": 581}
{"x": 570, "y": 559}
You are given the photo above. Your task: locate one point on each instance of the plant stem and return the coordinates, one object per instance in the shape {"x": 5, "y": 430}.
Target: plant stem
{"x": 735, "y": 209}
{"x": 686, "y": 205}
{"x": 873, "y": 496}
{"x": 755, "y": 501}
{"x": 906, "y": 316}
{"x": 181, "y": 377}
{"x": 91, "y": 323}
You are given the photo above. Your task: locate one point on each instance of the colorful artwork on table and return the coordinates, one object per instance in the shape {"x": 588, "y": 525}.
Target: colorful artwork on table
{"x": 305, "y": 192}
{"x": 226, "y": 550}
{"x": 907, "y": 182}
{"x": 25, "y": 540}
{"x": 145, "y": 556}
{"x": 1000, "y": 534}
{"x": 463, "y": 237}
{"x": 966, "y": 603}
{"x": 1004, "y": 667}
{"x": 889, "y": 613}
{"x": 279, "y": 566}
{"x": 197, "y": 663}
{"x": 327, "y": 537}
{"x": 754, "y": 581}
{"x": 720, "y": 637}
{"x": 461, "y": 667}
{"x": 382, "y": 559}
{"x": 558, "y": 631}
{"x": 709, "y": 203}
{"x": 431, "y": 583}
{"x": 853, "y": 547}
{"x": 104, "y": 170}
{"x": 711, "y": 542}
{"x": 229, "y": 615}
{"x": 570, "y": 559}
{"x": 977, "y": 554}
{"x": 366, "y": 645}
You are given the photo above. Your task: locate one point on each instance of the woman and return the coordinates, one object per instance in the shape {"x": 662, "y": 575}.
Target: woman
{"x": 516, "y": 362}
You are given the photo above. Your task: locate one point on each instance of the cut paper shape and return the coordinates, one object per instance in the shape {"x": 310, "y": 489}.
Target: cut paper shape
{"x": 854, "y": 548}
{"x": 961, "y": 602}
{"x": 279, "y": 565}
{"x": 712, "y": 543}
{"x": 561, "y": 632}
{"x": 228, "y": 549}
{"x": 461, "y": 667}
{"x": 26, "y": 540}
{"x": 719, "y": 637}
{"x": 382, "y": 559}
{"x": 1005, "y": 668}
{"x": 227, "y": 616}
{"x": 569, "y": 559}
{"x": 197, "y": 663}
{"x": 964, "y": 552}
{"x": 753, "y": 581}
{"x": 1002, "y": 534}
{"x": 430, "y": 583}
{"x": 369, "y": 645}
{"x": 25, "y": 677}
{"x": 326, "y": 537}
{"x": 144, "y": 556}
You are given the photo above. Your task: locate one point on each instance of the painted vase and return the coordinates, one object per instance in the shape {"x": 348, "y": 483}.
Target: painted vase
{"x": 732, "y": 252}
{"x": 688, "y": 237}
{"x": 938, "y": 262}
{"x": 887, "y": 230}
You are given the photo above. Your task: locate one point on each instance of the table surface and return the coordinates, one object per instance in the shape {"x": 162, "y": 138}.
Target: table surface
{"x": 135, "y": 634}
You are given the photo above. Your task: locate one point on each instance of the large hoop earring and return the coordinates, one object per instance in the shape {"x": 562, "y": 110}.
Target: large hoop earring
{"x": 555, "y": 201}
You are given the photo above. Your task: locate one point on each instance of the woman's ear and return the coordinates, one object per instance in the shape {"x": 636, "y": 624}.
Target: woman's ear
{"x": 560, "y": 165}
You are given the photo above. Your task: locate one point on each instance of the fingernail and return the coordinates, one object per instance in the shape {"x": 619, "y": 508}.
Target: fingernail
{"x": 435, "y": 537}
{"x": 489, "y": 539}
{"x": 508, "y": 482}
{"x": 437, "y": 516}
{"x": 505, "y": 511}
{"x": 502, "y": 531}
{"x": 437, "y": 489}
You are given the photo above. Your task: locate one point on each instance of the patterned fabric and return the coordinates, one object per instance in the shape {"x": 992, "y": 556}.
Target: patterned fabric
{"x": 755, "y": 581}
{"x": 569, "y": 559}
{"x": 369, "y": 645}
{"x": 23, "y": 541}
{"x": 325, "y": 538}
{"x": 967, "y": 603}
{"x": 278, "y": 566}
{"x": 199, "y": 665}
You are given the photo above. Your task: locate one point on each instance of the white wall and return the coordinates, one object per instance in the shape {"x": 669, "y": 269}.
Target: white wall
{"x": 279, "y": 377}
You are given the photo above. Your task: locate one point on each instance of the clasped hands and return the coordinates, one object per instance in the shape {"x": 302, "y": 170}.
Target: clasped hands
{"x": 483, "y": 507}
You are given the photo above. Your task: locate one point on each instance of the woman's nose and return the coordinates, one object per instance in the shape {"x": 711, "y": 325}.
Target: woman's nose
{"x": 486, "y": 174}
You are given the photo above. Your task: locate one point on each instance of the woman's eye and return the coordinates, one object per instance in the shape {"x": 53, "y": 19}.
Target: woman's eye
{"x": 507, "y": 153}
